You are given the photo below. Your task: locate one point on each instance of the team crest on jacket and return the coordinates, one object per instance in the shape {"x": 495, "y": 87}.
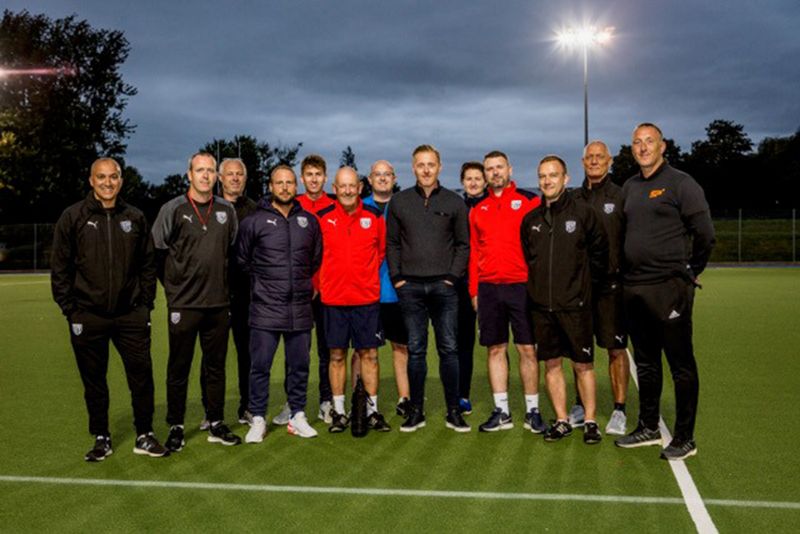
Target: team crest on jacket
{"x": 126, "y": 226}
{"x": 175, "y": 317}
{"x": 570, "y": 226}
{"x": 302, "y": 221}
{"x": 366, "y": 222}
{"x": 222, "y": 217}
{"x": 77, "y": 328}
{"x": 516, "y": 204}
{"x": 608, "y": 208}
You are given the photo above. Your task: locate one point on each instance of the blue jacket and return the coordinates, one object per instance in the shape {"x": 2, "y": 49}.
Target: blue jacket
{"x": 281, "y": 255}
{"x": 388, "y": 294}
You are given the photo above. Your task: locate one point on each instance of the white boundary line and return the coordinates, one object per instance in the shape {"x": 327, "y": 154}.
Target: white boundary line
{"x": 388, "y": 492}
{"x": 691, "y": 496}
{"x": 8, "y": 284}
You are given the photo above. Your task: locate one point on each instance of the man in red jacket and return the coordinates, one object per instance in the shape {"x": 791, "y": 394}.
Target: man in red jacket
{"x": 497, "y": 277}
{"x": 354, "y": 245}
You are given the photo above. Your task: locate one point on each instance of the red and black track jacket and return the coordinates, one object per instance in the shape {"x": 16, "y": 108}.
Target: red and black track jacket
{"x": 495, "y": 251}
{"x": 314, "y": 206}
{"x": 353, "y": 247}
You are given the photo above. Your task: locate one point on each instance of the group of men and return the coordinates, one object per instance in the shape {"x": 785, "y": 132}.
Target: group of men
{"x": 555, "y": 270}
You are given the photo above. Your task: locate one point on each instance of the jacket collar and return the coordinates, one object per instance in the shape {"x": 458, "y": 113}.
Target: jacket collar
{"x": 588, "y": 186}
{"x": 95, "y": 205}
{"x": 434, "y": 191}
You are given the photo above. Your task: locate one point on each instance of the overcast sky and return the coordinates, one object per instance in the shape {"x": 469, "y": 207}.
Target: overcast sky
{"x": 467, "y": 77}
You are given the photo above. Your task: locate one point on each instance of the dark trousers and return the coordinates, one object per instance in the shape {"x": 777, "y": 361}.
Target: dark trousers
{"x": 90, "y": 335}
{"x": 323, "y": 352}
{"x": 466, "y": 338}
{"x": 263, "y": 344}
{"x": 185, "y": 325}
{"x": 438, "y": 302}
{"x": 660, "y": 318}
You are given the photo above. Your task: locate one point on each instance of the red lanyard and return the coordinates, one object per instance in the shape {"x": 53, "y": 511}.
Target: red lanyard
{"x": 204, "y": 222}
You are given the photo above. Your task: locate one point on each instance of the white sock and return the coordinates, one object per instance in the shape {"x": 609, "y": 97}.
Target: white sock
{"x": 372, "y": 406}
{"x": 531, "y": 402}
{"x": 501, "y": 401}
{"x": 338, "y": 404}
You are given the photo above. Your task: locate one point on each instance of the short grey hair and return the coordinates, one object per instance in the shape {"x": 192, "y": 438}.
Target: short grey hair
{"x": 232, "y": 160}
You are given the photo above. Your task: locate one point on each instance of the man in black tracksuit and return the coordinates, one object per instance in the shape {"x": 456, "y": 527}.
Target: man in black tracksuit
{"x": 192, "y": 235}
{"x": 668, "y": 240}
{"x": 104, "y": 281}
{"x": 566, "y": 249}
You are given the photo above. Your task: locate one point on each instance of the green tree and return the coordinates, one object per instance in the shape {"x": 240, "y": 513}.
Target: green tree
{"x": 53, "y": 126}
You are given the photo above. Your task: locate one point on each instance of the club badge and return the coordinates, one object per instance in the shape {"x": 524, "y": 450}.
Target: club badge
{"x": 77, "y": 328}
{"x": 366, "y": 222}
{"x": 570, "y": 226}
{"x": 126, "y": 226}
{"x": 222, "y": 216}
{"x": 608, "y": 208}
{"x": 175, "y": 317}
{"x": 516, "y": 204}
{"x": 302, "y": 221}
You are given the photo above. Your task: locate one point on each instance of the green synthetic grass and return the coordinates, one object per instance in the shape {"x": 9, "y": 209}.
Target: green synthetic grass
{"x": 746, "y": 338}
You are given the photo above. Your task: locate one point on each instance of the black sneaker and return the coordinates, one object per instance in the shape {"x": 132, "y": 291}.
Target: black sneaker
{"x": 101, "y": 449}
{"x": 415, "y": 420}
{"x": 378, "y": 423}
{"x": 220, "y": 433}
{"x": 679, "y": 450}
{"x": 641, "y": 437}
{"x": 175, "y": 441}
{"x": 591, "y": 433}
{"x": 534, "y": 421}
{"x": 456, "y": 421}
{"x": 560, "y": 429}
{"x": 339, "y": 424}
{"x": 148, "y": 445}
{"x": 498, "y": 420}
{"x": 403, "y": 407}
{"x": 245, "y": 417}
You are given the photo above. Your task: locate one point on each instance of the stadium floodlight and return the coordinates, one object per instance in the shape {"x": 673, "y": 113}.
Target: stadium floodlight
{"x": 585, "y": 38}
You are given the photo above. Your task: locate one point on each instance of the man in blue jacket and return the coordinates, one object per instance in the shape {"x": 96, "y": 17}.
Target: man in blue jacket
{"x": 280, "y": 246}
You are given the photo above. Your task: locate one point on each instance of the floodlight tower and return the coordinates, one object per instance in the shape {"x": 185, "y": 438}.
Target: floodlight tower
{"x": 585, "y": 38}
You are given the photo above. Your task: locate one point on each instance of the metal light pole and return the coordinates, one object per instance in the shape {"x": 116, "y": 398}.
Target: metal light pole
{"x": 584, "y": 38}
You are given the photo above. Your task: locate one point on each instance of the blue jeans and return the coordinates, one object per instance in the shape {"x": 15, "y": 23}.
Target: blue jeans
{"x": 438, "y": 302}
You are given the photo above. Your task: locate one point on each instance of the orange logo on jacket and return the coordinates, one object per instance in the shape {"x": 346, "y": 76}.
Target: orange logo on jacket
{"x": 655, "y": 193}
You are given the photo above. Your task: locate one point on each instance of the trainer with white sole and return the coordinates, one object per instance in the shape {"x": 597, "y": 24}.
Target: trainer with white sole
{"x": 280, "y": 246}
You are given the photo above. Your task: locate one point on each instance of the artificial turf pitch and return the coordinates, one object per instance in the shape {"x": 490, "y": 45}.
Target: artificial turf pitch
{"x": 747, "y": 341}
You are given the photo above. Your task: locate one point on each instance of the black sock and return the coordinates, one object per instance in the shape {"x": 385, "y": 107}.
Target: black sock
{"x": 619, "y": 406}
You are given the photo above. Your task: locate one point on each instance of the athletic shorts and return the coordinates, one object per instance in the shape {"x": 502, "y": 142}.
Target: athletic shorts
{"x": 501, "y": 305}
{"x": 393, "y": 324}
{"x": 566, "y": 333}
{"x": 357, "y": 324}
{"x": 609, "y": 320}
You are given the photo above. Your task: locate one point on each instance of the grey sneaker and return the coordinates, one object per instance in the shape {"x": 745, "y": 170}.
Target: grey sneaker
{"x": 641, "y": 437}
{"x": 245, "y": 418}
{"x": 282, "y": 418}
{"x": 577, "y": 416}
{"x": 205, "y": 424}
{"x": 679, "y": 450}
{"x": 617, "y": 424}
{"x": 326, "y": 412}
{"x": 298, "y": 426}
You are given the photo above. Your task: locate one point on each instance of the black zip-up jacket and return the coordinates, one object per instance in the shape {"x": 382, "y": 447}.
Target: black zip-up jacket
{"x": 565, "y": 247}
{"x": 281, "y": 255}
{"x": 427, "y": 238}
{"x": 607, "y": 200}
{"x": 102, "y": 259}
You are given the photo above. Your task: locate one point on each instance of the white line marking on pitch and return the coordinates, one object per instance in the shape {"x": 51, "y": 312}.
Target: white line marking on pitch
{"x": 384, "y": 492}
{"x": 8, "y": 284}
{"x": 694, "y": 502}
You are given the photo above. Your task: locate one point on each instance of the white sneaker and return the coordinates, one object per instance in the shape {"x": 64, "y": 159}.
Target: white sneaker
{"x": 298, "y": 425}
{"x": 258, "y": 429}
{"x": 326, "y": 412}
{"x": 577, "y": 415}
{"x": 616, "y": 425}
{"x": 282, "y": 418}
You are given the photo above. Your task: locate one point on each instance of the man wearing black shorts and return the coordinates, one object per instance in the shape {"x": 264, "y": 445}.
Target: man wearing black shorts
{"x": 382, "y": 179}
{"x": 566, "y": 248}
{"x": 607, "y": 309}
{"x": 668, "y": 240}
{"x": 192, "y": 236}
{"x": 497, "y": 276}
{"x": 354, "y": 245}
